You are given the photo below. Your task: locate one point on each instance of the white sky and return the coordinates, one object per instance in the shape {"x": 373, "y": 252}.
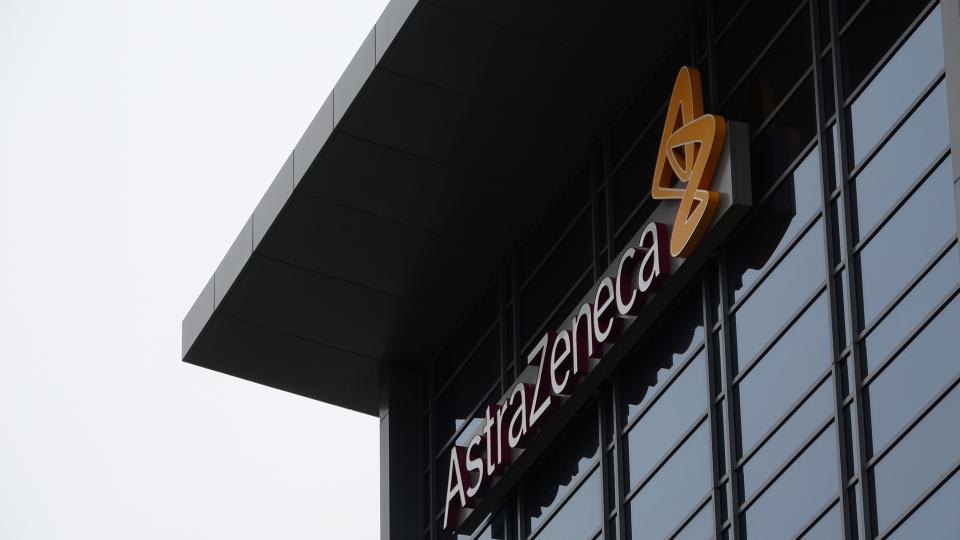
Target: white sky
{"x": 135, "y": 140}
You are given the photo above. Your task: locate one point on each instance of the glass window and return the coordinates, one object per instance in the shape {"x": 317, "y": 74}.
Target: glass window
{"x": 830, "y": 526}
{"x": 468, "y": 388}
{"x": 747, "y": 37}
{"x": 581, "y": 516}
{"x": 784, "y": 138}
{"x": 903, "y": 159}
{"x": 770, "y": 81}
{"x": 776, "y": 224}
{"x": 674, "y": 491}
{"x": 776, "y": 299}
{"x": 667, "y": 420}
{"x": 897, "y": 85}
{"x": 678, "y": 339}
{"x": 574, "y": 458}
{"x": 779, "y": 379}
{"x": 572, "y": 257}
{"x": 700, "y": 527}
{"x": 921, "y": 300}
{"x": 937, "y": 519}
{"x": 817, "y": 409}
{"x": 915, "y": 376}
{"x": 874, "y": 31}
{"x": 908, "y": 241}
{"x": 554, "y": 221}
{"x": 926, "y": 453}
{"x": 796, "y": 496}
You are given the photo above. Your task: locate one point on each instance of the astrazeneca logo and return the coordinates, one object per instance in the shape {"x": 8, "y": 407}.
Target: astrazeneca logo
{"x": 691, "y": 145}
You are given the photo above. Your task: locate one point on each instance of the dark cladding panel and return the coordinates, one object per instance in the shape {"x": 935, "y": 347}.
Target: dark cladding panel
{"x": 333, "y": 312}
{"x": 257, "y": 353}
{"x": 428, "y": 121}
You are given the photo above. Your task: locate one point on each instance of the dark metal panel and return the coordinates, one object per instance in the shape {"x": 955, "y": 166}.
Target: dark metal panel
{"x": 394, "y": 16}
{"x": 400, "y": 448}
{"x": 257, "y": 353}
{"x": 511, "y": 68}
{"x": 426, "y": 195}
{"x": 273, "y": 200}
{"x": 200, "y": 312}
{"x": 354, "y": 77}
{"x": 475, "y": 136}
{"x": 233, "y": 262}
{"x": 313, "y": 139}
{"x": 377, "y": 253}
{"x": 331, "y": 311}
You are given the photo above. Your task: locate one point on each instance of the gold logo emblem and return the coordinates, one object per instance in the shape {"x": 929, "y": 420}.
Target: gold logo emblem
{"x": 691, "y": 145}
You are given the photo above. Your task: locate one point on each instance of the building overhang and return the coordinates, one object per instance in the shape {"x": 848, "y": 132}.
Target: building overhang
{"x": 450, "y": 130}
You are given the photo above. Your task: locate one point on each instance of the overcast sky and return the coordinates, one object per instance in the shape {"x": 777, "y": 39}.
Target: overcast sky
{"x": 135, "y": 140}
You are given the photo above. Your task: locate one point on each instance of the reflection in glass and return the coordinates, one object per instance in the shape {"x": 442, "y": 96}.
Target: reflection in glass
{"x": 700, "y": 527}
{"x": 468, "y": 388}
{"x": 779, "y": 379}
{"x": 680, "y": 337}
{"x": 780, "y": 295}
{"x": 574, "y": 457}
{"x": 915, "y": 376}
{"x": 672, "y": 493}
{"x": 784, "y": 137}
{"x": 581, "y": 516}
{"x": 817, "y": 409}
{"x": 937, "y": 519}
{"x": 907, "y": 73}
{"x": 902, "y": 160}
{"x": 926, "y": 453}
{"x": 667, "y": 420}
{"x": 943, "y": 277}
{"x": 777, "y": 223}
{"x": 796, "y": 496}
{"x": 908, "y": 241}
{"x": 830, "y": 526}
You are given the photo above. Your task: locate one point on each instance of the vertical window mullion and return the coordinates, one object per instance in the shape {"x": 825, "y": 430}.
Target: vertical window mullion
{"x": 853, "y": 268}
{"x": 836, "y": 317}
{"x": 733, "y": 410}
{"x": 716, "y": 430}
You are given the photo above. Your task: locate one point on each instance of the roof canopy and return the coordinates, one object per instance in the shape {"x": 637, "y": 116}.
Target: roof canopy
{"x": 449, "y": 132}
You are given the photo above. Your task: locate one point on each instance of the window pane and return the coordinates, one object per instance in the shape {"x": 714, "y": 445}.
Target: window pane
{"x": 910, "y": 70}
{"x": 791, "y": 366}
{"x": 917, "y": 461}
{"x": 802, "y": 490}
{"x": 830, "y": 526}
{"x": 937, "y": 519}
{"x": 908, "y": 241}
{"x": 784, "y": 138}
{"x": 674, "y": 491}
{"x": 468, "y": 388}
{"x": 915, "y": 376}
{"x": 908, "y": 313}
{"x": 875, "y": 30}
{"x": 667, "y": 420}
{"x": 788, "y": 438}
{"x": 766, "y": 86}
{"x": 752, "y": 31}
{"x": 581, "y": 516}
{"x": 780, "y": 295}
{"x": 776, "y": 224}
{"x": 680, "y": 337}
{"x": 700, "y": 527}
{"x": 903, "y": 159}
{"x": 550, "y": 483}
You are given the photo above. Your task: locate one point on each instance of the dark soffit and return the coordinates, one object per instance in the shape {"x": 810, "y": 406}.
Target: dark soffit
{"x": 451, "y": 129}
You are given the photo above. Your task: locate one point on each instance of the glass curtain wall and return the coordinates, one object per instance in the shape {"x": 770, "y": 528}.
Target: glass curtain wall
{"x": 807, "y": 385}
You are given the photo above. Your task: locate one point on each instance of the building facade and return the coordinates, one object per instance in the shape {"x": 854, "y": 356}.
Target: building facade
{"x": 804, "y": 381}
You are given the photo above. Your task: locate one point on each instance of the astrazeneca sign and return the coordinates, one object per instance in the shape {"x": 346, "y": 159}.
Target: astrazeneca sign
{"x": 700, "y": 179}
